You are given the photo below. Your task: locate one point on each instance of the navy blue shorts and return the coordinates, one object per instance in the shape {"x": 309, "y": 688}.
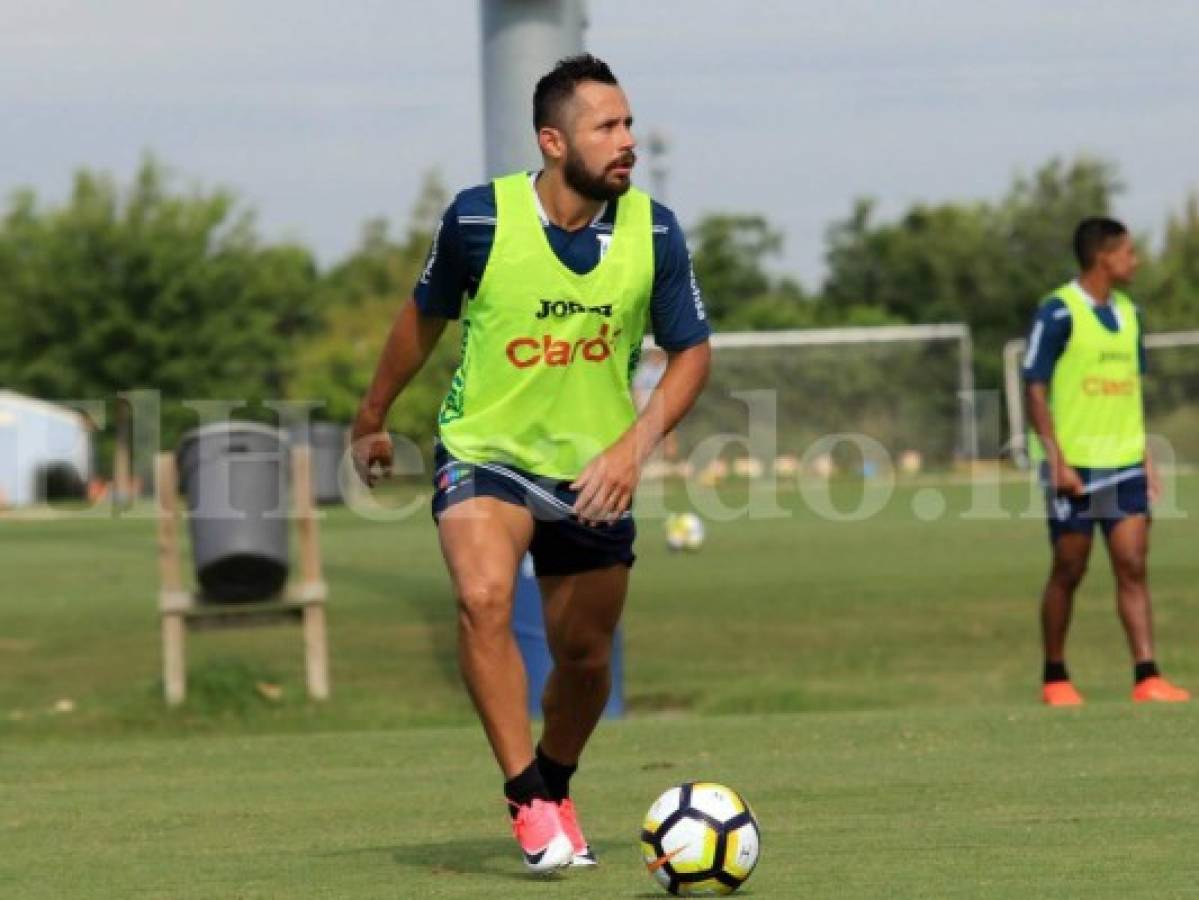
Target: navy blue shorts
{"x": 562, "y": 545}
{"x": 1112, "y": 496}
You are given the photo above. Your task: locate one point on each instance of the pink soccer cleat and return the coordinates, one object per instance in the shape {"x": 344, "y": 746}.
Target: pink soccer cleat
{"x": 543, "y": 842}
{"x": 582, "y": 854}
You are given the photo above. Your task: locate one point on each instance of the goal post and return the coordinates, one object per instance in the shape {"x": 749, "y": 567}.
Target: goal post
{"x": 908, "y": 388}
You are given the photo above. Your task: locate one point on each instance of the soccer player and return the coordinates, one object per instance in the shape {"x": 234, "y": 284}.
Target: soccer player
{"x": 1083, "y": 374}
{"x": 540, "y": 446}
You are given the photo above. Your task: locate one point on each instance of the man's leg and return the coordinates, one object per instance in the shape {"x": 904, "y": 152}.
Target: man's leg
{"x": 483, "y": 540}
{"x": 1071, "y": 550}
{"x": 1128, "y": 547}
{"x": 581, "y": 615}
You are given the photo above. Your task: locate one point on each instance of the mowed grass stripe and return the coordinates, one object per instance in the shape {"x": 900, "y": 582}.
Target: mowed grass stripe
{"x": 995, "y": 802}
{"x": 773, "y": 615}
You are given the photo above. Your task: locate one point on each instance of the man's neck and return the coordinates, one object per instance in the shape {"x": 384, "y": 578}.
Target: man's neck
{"x": 563, "y": 205}
{"x": 1097, "y": 285}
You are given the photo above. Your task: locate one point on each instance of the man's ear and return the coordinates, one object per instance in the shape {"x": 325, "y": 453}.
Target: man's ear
{"x": 552, "y": 142}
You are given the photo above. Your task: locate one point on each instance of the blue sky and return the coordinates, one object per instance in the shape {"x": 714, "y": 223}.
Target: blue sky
{"x": 321, "y": 116}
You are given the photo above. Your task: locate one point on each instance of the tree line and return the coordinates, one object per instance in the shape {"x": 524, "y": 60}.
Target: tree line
{"x": 152, "y": 285}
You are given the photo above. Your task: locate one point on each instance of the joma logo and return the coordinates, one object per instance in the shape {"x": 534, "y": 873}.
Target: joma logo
{"x": 560, "y": 309}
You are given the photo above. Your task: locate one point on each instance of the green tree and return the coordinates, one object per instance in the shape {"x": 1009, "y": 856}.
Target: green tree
{"x": 382, "y": 265}
{"x": 729, "y": 258}
{"x": 361, "y": 297}
{"x": 1036, "y": 222}
{"x": 149, "y": 287}
{"x": 1168, "y": 283}
{"x": 985, "y": 264}
{"x": 919, "y": 268}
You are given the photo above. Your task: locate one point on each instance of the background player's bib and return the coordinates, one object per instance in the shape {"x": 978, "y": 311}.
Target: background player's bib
{"x": 1095, "y": 393}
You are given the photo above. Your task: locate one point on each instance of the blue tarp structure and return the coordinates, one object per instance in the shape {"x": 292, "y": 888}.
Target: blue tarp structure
{"x": 529, "y": 627}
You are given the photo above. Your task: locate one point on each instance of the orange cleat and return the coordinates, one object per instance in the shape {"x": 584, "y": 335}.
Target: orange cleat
{"x": 1158, "y": 690}
{"x": 1060, "y": 693}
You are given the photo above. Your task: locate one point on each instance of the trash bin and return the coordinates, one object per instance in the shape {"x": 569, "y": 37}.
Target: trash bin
{"x": 327, "y": 441}
{"x": 235, "y": 477}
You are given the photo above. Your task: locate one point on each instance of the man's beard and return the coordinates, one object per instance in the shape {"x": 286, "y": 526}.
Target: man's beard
{"x": 592, "y": 186}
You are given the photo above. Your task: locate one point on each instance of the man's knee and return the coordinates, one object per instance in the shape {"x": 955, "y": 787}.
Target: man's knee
{"x": 589, "y": 654}
{"x": 1068, "y": 571}
{"x": 1131, "y": 567}
{"x": 484, "y": 606}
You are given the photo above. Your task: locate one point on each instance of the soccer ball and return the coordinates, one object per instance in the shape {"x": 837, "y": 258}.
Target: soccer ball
{"x": 684, "y": 531}
{"x": 700, "y": 840}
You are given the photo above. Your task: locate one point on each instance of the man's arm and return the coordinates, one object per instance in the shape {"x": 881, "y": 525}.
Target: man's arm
{"x": 1152, "y": 476}
{"x": 680, "y": 328}
{"x": 412, "y": 338}
{"x": 680, "y": 386}
{"x": 607, "y": 484}
{"x": 436, "y": 298}
{"x": 1046, "y": 342}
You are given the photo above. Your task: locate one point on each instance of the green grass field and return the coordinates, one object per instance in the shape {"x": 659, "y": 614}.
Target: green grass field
{"x": 869, "y": 686}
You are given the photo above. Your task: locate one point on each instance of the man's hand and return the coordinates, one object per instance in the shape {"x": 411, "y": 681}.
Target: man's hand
{"x": 412, "y": 338}
{"x": 1063, "y": 478}
{"x": 607, "y": 484}
{"x": 1066, "y": 480}
{"x": 370, "y": 449}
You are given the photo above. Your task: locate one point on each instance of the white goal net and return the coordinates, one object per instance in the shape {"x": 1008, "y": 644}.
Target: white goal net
{"x": 901, "y": 388}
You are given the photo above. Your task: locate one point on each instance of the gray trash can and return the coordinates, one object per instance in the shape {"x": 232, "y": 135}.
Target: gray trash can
{"x": 235, "y": 478}
{"x": 327, "y": 441}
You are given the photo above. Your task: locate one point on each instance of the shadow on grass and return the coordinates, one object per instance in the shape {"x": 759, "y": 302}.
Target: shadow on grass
{"x": 428, "y": 598}
{"x": 493, "y": 857}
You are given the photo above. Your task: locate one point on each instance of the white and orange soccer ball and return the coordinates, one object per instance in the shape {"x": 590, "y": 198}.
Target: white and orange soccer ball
{"x": 700, "y": 840}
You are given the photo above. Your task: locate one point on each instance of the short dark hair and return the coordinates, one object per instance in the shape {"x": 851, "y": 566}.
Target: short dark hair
{"x": 557, "y": 86}
{"x": 1092, "y": 236}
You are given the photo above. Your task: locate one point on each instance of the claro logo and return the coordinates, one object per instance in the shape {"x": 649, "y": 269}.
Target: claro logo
{"x": 525, "y": 352}
{"x": 1094, "y": 386}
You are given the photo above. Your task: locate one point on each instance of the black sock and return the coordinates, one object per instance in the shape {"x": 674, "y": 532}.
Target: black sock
{"x": 526, "y": 787}
{"x": 1143, "y": 670}
{"x": 1055, "y": 671}
{"x": 556, "y": 775}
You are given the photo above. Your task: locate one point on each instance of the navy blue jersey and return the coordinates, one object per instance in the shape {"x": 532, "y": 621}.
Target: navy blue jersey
{"x": 463, "y": 242}
{"x": 1051, "y": 329}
